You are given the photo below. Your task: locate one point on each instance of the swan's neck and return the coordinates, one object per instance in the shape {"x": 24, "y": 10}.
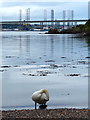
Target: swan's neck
{"x": 46, "y": 92}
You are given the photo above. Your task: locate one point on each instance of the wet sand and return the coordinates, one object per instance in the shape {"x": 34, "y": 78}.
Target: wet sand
{"x": 48, "y": 114}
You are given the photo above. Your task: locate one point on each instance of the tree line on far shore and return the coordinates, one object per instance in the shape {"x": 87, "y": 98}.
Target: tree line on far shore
{"x": 79, "y": 29}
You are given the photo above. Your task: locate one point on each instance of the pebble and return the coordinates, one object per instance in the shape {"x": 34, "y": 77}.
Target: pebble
{"x": 47, "y": 114}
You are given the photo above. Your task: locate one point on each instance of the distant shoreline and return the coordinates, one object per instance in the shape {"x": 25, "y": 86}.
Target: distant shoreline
{"x": 69, "y": 31}
{"x": 80, "y": 30}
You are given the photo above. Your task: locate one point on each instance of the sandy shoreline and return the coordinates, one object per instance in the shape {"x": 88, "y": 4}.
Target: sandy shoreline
{"x": 49, "y": 114}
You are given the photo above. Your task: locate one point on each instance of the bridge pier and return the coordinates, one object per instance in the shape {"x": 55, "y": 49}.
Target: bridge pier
{"x": 64, "y": 25}
{"x": 41, "y": 25}
{"x": 72, "y": 24}
{"x": 0, "y": 27}
{"x": 75, "y": 23}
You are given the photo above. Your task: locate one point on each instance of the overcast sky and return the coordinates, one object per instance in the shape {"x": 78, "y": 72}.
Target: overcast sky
{"x": 9, "y": 9}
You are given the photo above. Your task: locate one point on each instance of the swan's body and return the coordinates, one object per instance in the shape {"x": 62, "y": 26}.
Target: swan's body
{"x": 40, "y": 97}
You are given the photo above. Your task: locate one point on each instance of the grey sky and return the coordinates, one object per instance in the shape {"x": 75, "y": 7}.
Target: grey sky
{"x": 10, "y": 10}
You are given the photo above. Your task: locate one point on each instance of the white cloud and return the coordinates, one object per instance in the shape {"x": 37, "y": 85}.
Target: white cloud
{"x": 45, "y": 0}
{"x": 10, "y": 11}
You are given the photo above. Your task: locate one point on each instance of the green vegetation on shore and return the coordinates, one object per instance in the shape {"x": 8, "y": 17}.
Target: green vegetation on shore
{"x": 84, "y": 29}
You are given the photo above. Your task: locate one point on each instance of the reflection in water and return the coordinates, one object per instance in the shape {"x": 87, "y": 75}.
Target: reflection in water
{"x": 24, "y": 45}
{"x": 63, "y": 44}
{"x": 52, "y": 45}
{"x": 20, "y": 48}
{"x": 28, "y": 45}
{"x": 40, "y": 46}
{"x": 43, "y": 45}
{"x": 20, "y": 37}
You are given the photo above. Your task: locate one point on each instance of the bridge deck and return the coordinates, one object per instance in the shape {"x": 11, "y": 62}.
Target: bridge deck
{"x": 41, "y": 21}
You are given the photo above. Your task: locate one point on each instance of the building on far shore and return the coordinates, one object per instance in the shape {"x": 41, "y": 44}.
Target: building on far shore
{"x": 89, "y": 10}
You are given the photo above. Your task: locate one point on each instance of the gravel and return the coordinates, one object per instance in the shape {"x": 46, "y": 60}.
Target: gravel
{"x": 48, "y": 114}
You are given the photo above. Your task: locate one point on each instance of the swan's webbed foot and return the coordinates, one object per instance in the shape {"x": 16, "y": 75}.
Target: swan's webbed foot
{"x": 43, "y": 106}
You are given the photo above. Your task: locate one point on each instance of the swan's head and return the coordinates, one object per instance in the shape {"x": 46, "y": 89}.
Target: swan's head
{"x": 47, "y": 94}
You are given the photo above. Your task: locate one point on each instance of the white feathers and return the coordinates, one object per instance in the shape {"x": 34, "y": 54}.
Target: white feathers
{"x": 41, "y": 96}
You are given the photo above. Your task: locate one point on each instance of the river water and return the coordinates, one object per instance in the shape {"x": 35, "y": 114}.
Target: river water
{"x": 34, "y": 60}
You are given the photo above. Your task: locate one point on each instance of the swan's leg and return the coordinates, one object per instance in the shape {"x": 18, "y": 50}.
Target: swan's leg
{"x": 35, "y": 105}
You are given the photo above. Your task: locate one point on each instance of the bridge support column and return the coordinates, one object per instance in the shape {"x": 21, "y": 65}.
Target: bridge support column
{"x": 0, "y": 27}
{"x": 41, "y": 25}
{"x": 58, "y": 25}
{"x": 63, "y": 25}
{"x": 68, "y": 24}
{"x": 75, "y": 23}
{"x": 72, "y": 24}
{"x": 20, "y": 26}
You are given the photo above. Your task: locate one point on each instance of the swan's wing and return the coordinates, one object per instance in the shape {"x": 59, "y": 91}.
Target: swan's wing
{"x": 36, "y": 96}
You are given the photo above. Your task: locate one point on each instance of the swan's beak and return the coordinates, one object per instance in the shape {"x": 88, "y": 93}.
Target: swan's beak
{"x": 46, "y": 99}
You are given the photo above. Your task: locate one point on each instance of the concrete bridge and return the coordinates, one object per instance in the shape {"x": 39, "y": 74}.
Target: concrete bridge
{"x": 41, "y": 21}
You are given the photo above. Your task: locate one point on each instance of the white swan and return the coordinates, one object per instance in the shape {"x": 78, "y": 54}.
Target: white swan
{"x": 40, "y": 97}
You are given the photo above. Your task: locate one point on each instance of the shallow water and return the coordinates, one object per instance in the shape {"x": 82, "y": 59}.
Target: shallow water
{"x": 34, "y": 60}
